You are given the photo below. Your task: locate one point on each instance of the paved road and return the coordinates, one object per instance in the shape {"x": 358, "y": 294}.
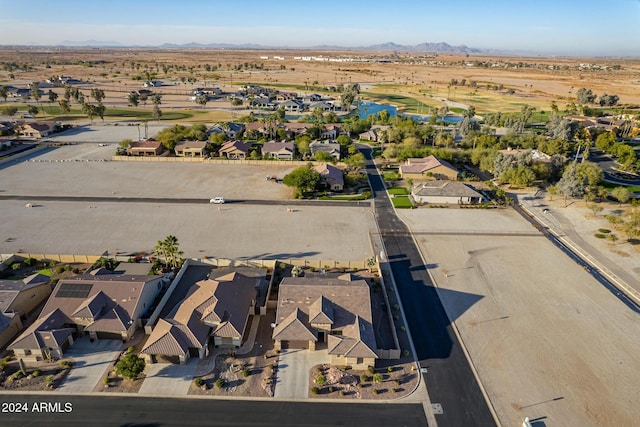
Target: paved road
{"x": 450, "y": 380}
{"x": 132, "y": 411}
{"x": 184, "y": 201}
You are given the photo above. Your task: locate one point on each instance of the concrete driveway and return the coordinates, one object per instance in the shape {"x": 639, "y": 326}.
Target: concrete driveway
{"x": 169, "y": 379}
{"x": 91, "y": 362}
{"x": 293, "y": 372}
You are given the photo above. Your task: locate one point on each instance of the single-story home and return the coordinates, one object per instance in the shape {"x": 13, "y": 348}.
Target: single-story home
{"x": 190, "y": 148}
{"x": 230, "y": 129}
{"x": 330, "y": 131}
{"x": 374, "y": 134}
{"x": 331, "y": 313}
{"x": 39, "y": 129}
{"x": 215, "y": 309}
{"x": 279, "y": 150}
{"x": 18, "y": 298}
{"x": 235, "y": 150}
{"x": 332, "y": 176}
{"x": 101, "y": 304}
{"x": 149, "y": 147}
{"x": 428, "y": 167}
{"x": 292, "y": 105}
{"x": 332, "y": 148}
{"x": 445, "y": 192}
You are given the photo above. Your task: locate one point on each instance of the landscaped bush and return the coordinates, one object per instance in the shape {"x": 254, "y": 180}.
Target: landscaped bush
{"x": 36, "y": 373}
{"x": 364, "y": 377}
{"x": 68, "y": 267}
{"x": 106, "y": 380}
{"x": 59, "y": 270}
{"x": 599, "y": 236}
{"x": 315, "y": 390}
{"x": 29, "y": 261}
{"x": 377, "y": 378}
{"x": 321, "y": 380}
{"x": 375, "y": 391}
{"x": 389, "y": 368}
{"x": 65, "y": 364}
{"x": 604, "y": 230}
{"x": 331, "y": 389}
{"x": 198, "y": 382}
{"x": 245, "y": 372}
{"x": 220, "y": 383}
{"x": 370, "y": 369}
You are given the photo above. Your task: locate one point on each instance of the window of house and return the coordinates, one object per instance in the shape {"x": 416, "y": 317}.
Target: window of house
{"x": 359, "y": 361}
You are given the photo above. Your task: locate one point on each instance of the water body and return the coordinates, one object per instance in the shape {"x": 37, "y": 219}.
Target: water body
{"x": 367, "y": 108}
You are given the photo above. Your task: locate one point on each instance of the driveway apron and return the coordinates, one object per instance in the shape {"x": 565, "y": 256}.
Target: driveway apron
{"x": 91, "y": 363}
{"x": 292, "y": 380}
{"x": 168, "y": 378}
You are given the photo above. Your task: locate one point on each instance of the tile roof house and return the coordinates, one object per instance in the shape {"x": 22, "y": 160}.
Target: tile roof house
{"x": 19, "y": 298}
{"x": 332, "y": 148}
{"x": 106, "y": 306}
{"x": 190, "y": 148}
{"x": 230, "y": 129}
{"x": 149, "y": 147}
{"x": 292, "y": 105}
{"x": 336, "y": 312}
{"x": 445, "y": 192}
{"x": 331, "y": 131}
{"x": 216, "y": 309}
{"x": 279, "y": 150}
{"x": 374, "y": 134}
{"x": 39, "y": 129}
{"x": 331, "y": 176}
{"x": 422, "y": 168}
{"x": 235, "y": 150}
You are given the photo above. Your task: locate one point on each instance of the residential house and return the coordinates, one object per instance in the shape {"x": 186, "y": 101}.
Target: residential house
{"x": 428, "y": 167}
{"x": 322, "y": 105}
{"x": 332, "y": 148}
{"x": 331, "y": 313}
{"x": 292, "y": 106}
{"x": 39, "y": 129}
{"x": 279, "y": 150}
{"x": 19, "y": 298}
{"x": 374, "y": 134}
{"x": 190, "y": 148}
{"x": 235, "y": 150}
{"x": 295, "y": 129}
{"x": 6, "y": 128}
{"x": 331, "y": 176}
{"x": 215, "y": 310}
{"x": 331, "y": 131}
{"x": 101, "y": 304}
{"x": 230, "y": 129}
{"x": 285, "y": 96}
{"x": 309, "y": 99}
{"x": 148, "y": 147}
{"x": 445, "y": 191}
{"x": 263, "y": 103}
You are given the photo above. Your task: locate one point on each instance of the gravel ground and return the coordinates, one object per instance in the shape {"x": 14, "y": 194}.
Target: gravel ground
{"x": 548, "y": 341}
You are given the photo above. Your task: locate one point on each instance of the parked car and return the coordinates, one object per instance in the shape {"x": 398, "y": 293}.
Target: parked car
{"x": 217, "y": 200}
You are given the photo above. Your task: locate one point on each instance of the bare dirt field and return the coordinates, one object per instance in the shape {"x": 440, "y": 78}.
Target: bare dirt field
{"x": 548, "y": 341}
{"x": 535, "y": 80}
{"x": 232, "y": 230}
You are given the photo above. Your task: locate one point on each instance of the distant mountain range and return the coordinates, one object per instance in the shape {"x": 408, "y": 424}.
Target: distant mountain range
{"x": 441, "y": 47}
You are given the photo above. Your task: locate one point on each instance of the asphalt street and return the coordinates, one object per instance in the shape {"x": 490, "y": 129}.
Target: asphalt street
{"x": 133, "y": 411}
{"x": 449, "y": 378}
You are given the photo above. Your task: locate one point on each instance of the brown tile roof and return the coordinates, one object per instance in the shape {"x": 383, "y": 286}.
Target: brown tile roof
{"x": 167, "y": 338}
{"x": 345, "y": 301}
{"x": 149, "y": 143}
{"x": 231, "y": 146}
{"x": 190, "y": 145}
{"x": 425, "y": 164}
{"x": 330, "y": 174}
{"x": 48, "y": 331}
{"x": 444, "y": 188}
{"x": 275, "y": 147}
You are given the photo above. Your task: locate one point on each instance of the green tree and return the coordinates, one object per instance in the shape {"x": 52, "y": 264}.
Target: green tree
{"x": 156, "y": 99}
{"x": 323, "y": 156}
{"x": 133, "y": 98}
{"x": 125, "y": 143}
{"x": 571, "y": 185}
{"x": 303, "y": 145}
{"x": 4, "y": 92}
{"x": 585, "y": 96}
{"x": 304, "y": 179}
{"x": 172, "y": 250}
{"x": 130, "y": 366}
{"x": 64, "y": 106}
{"x": 202, "y": 99}
{"x": 53, "y": 97}
{"x": 620, "y": 194}
{"x": 35, "y": 92}
{"x": 605, "y": 141}
{"x": 157, "y": 113}
{"x": 595, "y": 208}
{"x": 97, "y": 94}
{"x": 10, "y": 110}
{"x": 32, "y": 109}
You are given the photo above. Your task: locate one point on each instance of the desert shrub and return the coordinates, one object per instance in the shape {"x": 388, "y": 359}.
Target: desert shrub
{"x": 198, "y": 382}
{"x": 16, "y": 266}
{"x": 321, "y": 380}
{"x": 220, "y": 383}
{"x": 377, "y": 378}
{"x": 130, "y": 350}
{"x": 36, "y": 373}
{"x": 599, "y": 236}
{"x": 65, "y": 364}
{"x": 331, "y": 389}
{"x": 130, "y": 366}
{"x": 29, "y": 261}
{"x": 106, "y": 380}
{"x": 75, "y": 270}
{"x": 315, "y": 390}
{"x": 59, "y": 270}
{"x": 604, "y": 230}
{"x": 405, "y": 353}
{"x": 68, "y": 267}
{"x": 370, "y": 369}
{"x": 7, "y": 359}
{"x": 341, "y": 393}
{"x": 398, "y": 382}
{"x": 389, "y": 368}
{"x": 364, "y": 377}
{"x": 375, "y": 391}
{"x": 245, "y": 372}
{"x": 49, "y": 379}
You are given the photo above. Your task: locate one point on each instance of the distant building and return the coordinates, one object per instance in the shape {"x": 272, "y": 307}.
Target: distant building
{"x": 428, "y": 167}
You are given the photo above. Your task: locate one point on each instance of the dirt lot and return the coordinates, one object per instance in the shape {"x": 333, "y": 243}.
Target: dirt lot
{"x": 547, "y": 339}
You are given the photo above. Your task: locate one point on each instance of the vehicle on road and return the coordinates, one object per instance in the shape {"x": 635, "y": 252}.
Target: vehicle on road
{"x": 217, "y": 200}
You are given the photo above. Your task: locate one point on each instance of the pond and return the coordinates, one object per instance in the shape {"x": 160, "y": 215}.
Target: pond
{"x": 366, "y": 108}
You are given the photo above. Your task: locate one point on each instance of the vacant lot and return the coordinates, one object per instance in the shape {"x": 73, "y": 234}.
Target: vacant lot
{"x": 232, "y": 230}
{"x": 547, "y": 340}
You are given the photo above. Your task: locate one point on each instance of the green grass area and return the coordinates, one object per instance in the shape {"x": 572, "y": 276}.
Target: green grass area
{"x": 364, "y": 196}
{"x": 400, "y": 191}
{"x": 404, "y": 103}
{"x": 402, "y": 202}
{"x": 391, "y": 175}
{"x": 46, "y": 272}
{"x": 630, "y": 189}
{"x": 54, "y": 112}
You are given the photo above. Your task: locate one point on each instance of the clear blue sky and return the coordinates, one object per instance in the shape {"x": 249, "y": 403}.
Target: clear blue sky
{"x": 573, "y": 27}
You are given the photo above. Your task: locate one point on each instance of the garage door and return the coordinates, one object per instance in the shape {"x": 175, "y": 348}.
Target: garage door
{"x": 108, "y": 335}
{"x": 161, "y": 358}
{"x": 295, "y": 344}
